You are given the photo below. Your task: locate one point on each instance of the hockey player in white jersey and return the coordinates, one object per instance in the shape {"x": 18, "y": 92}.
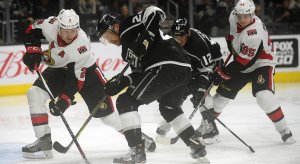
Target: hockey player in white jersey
{"x": 254, "y": 61}
{"x": 71, "y": 69}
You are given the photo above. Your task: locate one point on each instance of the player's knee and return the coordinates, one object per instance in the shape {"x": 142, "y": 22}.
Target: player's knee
{"x": 169, "y": 113}
{"x": 126, "y": 103}
{"x": 267, "y": 101}
{"x": 219, "y": 102}
{"x": 37, "y": 95}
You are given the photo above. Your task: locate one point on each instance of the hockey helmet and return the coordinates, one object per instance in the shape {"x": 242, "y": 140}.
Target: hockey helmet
{"x": 105, "y": 23}
{"x": 244, "y": 7}
{"x": 180, "y": 27}
{"x": 68, "y": 19}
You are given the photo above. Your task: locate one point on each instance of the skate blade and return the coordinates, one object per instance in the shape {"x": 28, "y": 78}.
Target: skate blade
{"x": 202, "y": 160}
{"x": 38, "y": 155}
{"x": 290, "y": 140}
{"x": 210, "y": 141}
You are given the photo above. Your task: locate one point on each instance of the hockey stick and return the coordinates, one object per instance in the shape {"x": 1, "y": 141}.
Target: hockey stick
{"x": 62, "y": 117}
{"x": 251, "y": 149}
{"x": 62, "y": 149}
{"x": 173, "y": 140}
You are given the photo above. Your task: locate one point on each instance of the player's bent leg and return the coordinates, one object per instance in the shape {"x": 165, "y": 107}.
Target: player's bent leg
{"x": 267, "y": 101}
{"x": 113, "y": 120}
{"x": 42, "y": 147}
{"x": 220, "y": 103}
{"x": 186, "y": 132}
{"x": 131, "y": 124}
{"x": 208, "y": 128}
{"x": 163, "y": 128}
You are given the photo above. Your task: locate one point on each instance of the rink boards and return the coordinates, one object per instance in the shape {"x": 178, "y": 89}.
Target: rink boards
{"x": 15, "y": 78}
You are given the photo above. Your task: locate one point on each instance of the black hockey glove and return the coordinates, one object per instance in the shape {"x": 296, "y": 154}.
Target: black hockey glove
{"x": 197, "y": 96}
{"x": 142, "y": 43}
{"x": 219, "y": 75}
{"x": 114, "y": 86}
{"x": 60, "y": 106}
{"x": 32, "y": 57}
{"x": 198, "y": 86}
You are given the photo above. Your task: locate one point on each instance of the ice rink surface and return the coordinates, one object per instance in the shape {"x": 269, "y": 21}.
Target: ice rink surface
{"x": 101, "y": 143}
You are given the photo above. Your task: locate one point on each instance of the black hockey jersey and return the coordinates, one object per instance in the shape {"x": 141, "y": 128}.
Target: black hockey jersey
{"x": 199, "y": 49}
{"x": 163, "y": 51}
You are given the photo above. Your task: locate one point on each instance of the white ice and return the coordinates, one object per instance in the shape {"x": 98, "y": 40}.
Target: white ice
{"x": 101, "y": 143}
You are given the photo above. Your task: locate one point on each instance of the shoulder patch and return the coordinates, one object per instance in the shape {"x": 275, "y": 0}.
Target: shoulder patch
{"x": 82, "y": 49}
{"x": 251, "y": 32}
{"x": 52, "y": 20}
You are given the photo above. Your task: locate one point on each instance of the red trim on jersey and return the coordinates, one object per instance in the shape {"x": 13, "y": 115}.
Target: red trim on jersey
{"x": 42, "y": 119}
{"x": 240, "y": 29}
{"x": 103, "y": 83}
{"x": 62, "y": 43}
{"x": 264, "y": 55}
{"x": 242, "y": 60}
{"x": 270, "y": 78}
{"x": 80, "y": 84}
{"x": 28, "y": 30}
{"x": 276, "y": 115}
{"x": 66, "y": 99}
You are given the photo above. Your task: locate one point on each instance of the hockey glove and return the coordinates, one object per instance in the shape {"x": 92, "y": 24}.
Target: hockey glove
{"x": 142, "y": 43}
{"x": 197, "y": 96}
{"x": 32, "y": 57}
{"x": 219, "y": 75}
{"x": 114, "y": 86}
{"x": 60, "y": 106}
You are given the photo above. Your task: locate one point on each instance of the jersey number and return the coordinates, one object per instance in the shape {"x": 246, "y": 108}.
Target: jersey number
{"x": 137, "y": 18}
{"x": 248, "y": 51}
{"x": 207, "y": 59}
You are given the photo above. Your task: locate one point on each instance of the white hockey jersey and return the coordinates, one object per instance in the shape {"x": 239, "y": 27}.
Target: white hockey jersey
{"x": 59, "y": 54}
{"x": 247, "y": 41}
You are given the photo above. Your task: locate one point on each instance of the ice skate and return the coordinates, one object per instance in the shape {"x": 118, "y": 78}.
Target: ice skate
{"x": 209, "y": 131}
{"x": 135, "y": 155}
{"x": 287, "y": 136}
{"x": 198, "y": 151}
{"x": 163, "y": 128}
{"x": 150, "y": 144}
{"x": 40, "y": 149}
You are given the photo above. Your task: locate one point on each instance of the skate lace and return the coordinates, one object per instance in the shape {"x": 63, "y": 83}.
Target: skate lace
{"x": 34, "y": 143}
{"x": 130, "y": 154}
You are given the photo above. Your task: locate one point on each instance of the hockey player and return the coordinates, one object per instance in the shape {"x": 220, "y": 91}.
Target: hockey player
{"x": 204, "y": 55}
{"x": 254, "y": 61}
{"x": 160, "y": 71}
{"x": 71, "y": 69}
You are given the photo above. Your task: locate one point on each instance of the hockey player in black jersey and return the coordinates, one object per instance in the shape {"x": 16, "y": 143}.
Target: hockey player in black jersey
{"x": 205, "y": 55}
{"x": 160, "y": 71}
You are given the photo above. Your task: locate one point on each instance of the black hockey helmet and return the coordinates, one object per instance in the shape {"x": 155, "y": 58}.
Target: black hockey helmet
{"x": 105, "y": 23}
{"x": 181, "y": 26}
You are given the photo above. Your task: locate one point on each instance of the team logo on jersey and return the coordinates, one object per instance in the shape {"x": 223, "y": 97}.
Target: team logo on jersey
{"x": 82, "y": 49}
{"x": 47, "y": 57}
{"x": 260, "y": 79}
{"x": 251, "y": 32}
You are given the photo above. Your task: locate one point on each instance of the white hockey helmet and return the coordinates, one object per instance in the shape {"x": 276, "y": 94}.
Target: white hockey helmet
{"x": 244, "y": 7}
{"x": 68, "y": 19}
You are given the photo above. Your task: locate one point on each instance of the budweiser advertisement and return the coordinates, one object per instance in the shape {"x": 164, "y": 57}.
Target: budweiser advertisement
{"x": 13, "y": 71}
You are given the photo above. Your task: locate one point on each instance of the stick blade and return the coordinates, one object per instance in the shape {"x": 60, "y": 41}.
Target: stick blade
{"x": 58, "y": 147}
